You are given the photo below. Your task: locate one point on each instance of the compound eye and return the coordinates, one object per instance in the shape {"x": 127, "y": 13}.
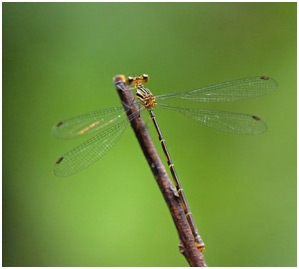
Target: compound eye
{"x": 145, "y": 77}
{"x": 130, "y": 80}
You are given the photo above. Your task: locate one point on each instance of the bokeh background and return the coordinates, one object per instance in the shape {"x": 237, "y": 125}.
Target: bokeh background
{"x": 59, "y": 60}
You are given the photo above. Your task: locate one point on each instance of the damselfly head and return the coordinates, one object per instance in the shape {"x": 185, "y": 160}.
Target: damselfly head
{"x": 133, "y": 80}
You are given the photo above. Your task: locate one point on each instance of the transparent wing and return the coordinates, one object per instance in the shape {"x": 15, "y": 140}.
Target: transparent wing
{"x": 94, "y": 148}
{"x": 228, "y": 91}
{"x": 236, "y": 123}
{"x": 88, "y": 152}
{"x": 89, "y": 122}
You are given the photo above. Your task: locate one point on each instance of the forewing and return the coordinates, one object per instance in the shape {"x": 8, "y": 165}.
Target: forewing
{"x": 228, "y": 91}
{"x": 88, "y": 123}
{"x": 88, "y": 152}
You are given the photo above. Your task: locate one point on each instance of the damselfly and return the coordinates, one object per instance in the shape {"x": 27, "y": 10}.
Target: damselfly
{"x": 113, "y": 122}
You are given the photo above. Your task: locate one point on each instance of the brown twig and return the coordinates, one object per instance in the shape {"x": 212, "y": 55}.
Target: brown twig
{"x": 187, "y": 246}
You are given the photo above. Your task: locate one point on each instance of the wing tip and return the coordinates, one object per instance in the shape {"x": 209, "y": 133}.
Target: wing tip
{"x": 263, "y": 127}
{"x": 266, "y": 78}
{"x": 56, "y": 128}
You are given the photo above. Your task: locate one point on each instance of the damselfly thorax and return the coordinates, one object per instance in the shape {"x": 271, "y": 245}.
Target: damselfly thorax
{"x": 143, "y": 94}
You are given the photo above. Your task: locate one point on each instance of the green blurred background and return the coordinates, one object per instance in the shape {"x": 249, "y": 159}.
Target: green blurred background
{"x": 59, "y": 60}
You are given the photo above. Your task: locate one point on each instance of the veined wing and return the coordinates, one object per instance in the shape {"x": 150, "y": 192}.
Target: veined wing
{"x": 88, "y": 152}
{"x": 228, "y": 91}
{"x": 89, "y": 122}
{"x": 236, "y": 123}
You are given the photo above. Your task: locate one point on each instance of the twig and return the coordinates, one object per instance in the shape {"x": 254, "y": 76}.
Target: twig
{"x": 187, "y": 246}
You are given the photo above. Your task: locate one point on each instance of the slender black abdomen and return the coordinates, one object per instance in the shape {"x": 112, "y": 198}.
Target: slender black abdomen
{"x": 198, "y": 241}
